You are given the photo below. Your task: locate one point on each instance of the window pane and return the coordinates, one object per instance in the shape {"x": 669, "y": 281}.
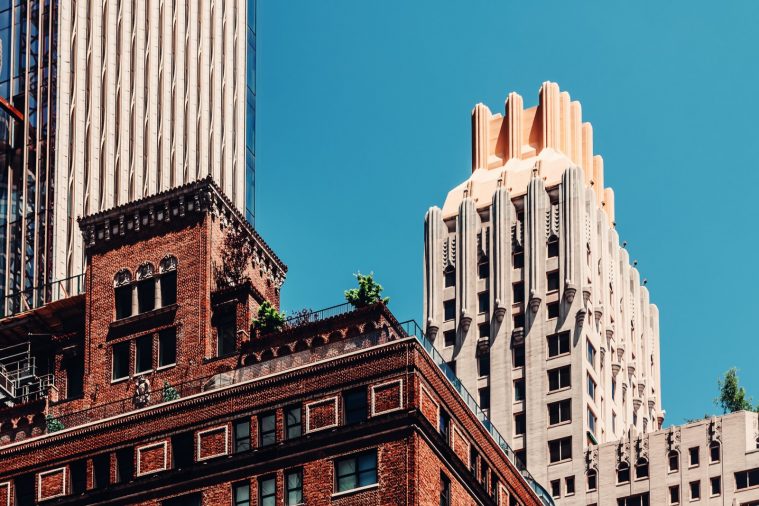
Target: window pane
{"x": 146, "y": 295}
{"x": 268, "y": 427}
{"x": 123, "y": 301}
{"x": 294, "y": 484}
{"x": 355, "y": 406}
{"x": 242, "y": 436}
{"x": 167, "y": 347}
{"x": 293, "y": 422}
{"x": 168, "y": 288}
{"x": 120, "y": 360}
{"x": 144, "y": 354}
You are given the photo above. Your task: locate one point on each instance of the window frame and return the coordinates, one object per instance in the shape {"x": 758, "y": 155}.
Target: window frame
{"x": 262, "y": 499}
{"x": 263, "y": 443}
{"x": 567, "y": 369}
{"x": 355, "y": 414}
{"x": 237, "y": 439}
{"x": 560, "y": 442}
{"x": 240, "y": 485}
{"x": 290, "y": 426}
{"x": 167, "y": 333}
{"x": 140, "y": 345}
{"x": 357, "y": 459}
{"x": 298, "y": 472}
{"x": 561, "y": 406}
{"x": 126, "y": 346}
{"x": 562, "y": 342}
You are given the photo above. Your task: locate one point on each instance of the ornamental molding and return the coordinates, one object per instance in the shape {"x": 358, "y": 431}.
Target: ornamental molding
{"x": 591, "y": 459}
{"x": 673, "y": 439}
{"x": 714, "y": 434}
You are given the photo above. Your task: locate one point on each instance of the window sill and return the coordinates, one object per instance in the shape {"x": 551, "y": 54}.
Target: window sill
{"x": 208, "y": 360}
{"x": 123, "y": 322}
{"x": 355, "y": 490}
{"x": 120, "y": 380}
{"x": 559, "y": 462}
{"x": 167, "y": 366}
{"x": 552, "y": 357}
{"x": 143, "y": 373}
{"x": 559, "y": 390}
{"x": 559, "y": 424}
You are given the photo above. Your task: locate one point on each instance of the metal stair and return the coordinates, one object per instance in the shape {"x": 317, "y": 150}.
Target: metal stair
{"x": 19, "y": 382}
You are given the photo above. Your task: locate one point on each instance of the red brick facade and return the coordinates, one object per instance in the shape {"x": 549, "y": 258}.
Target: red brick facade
{"x": 339, "y": 408}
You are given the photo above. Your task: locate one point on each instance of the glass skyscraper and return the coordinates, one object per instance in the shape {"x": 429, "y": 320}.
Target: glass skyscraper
{"x": 106, "y": 101}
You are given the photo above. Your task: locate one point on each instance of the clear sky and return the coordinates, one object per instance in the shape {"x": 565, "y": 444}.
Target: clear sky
{"x": 364, "y": 123}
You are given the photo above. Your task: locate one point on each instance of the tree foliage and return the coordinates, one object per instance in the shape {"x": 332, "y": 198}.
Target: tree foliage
{"x": 269, "y": 319}
{"x": 53, "y": 424}
{"x": 236, "y": 258}
{"x": 368, "y": 292}
{"x": 169, "y": 392}
{"x": 732, "y": 396}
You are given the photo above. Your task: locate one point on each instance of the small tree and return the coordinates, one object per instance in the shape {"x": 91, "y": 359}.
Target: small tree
{"x": 169, "y": 392}
{"x": 53, "y": 424}
{"x": 368, "y": 292}
{"x": 269, "y": 319}
{"x": 732, "y": 396}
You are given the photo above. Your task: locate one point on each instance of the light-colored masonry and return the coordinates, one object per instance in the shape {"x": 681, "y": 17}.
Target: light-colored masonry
{"x": 151, "y": 95}
{"x": 531, "y": 297}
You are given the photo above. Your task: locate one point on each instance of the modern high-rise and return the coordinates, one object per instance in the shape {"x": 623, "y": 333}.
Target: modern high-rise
{"x": 530, "y": 296}
{"x": 106, "y": 101}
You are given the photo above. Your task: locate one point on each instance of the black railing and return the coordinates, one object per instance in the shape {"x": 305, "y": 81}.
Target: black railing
{"x": 306, "y": 316}
{"x": 30, "y": 298}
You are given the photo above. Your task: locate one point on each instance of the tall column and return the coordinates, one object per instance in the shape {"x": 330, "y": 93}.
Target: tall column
{"x": 480, "y": 137}
{"x": 434, "y": 228}
{"x": 535, "y": 240}
{"x": 571, "y": 236}
{"x": 466, "y": 293}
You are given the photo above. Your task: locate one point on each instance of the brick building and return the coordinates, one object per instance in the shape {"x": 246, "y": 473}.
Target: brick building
{"x": 154, "y": 387}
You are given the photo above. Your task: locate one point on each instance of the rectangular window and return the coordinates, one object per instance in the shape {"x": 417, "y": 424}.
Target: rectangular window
{"x": 484, "y": 330}
{"x": 144, "y": 354}
{"x": 267, "y": 491}
{"x": 123, "y": 301}
{"x": 78, "y": 476}
{"x": 553, "y": 310}
{"x": 483, "y": 302}
{"x": 560, "y": 449}
{"x": 74, "y": 377}
{"x": 101, "y": 471}
{"x": 354, "y": 406}
{"x": 559, "y": 378}
{"x": 242, "y": 435}
{"x": 120, "y": 361}
{"x": 592, "y": 480}
{"x": 185, "y": 500}
{"x": 556, "y": 489}
{"x": 484, "y": 472}
{"x": 695, "y": 490}
{"x": 484, "y": 394}
{"x": 241, "y": 493}
{"x": 450, "y": 278}
{"x": 591, "y": 388}
{"x": 746, "y": 479}
{"x": 635, "y": 500}
{"x": 124, "y": 465}
{"x": 519, "y": 321}
{"x": 483, "y": 269}
{"x": 483, "y": 364}
{"x": 168, "y": 288}
{"x": 473, "y": 460}
{"x": 182, "y": 450}
{"x": 674, "y": 461}
{"x": 356, "y": 471}
{"x": 449, "y": 336}
{"x": 591, "y": 421}
{"x": 560, "y": 411}
{"x": 267, "y": 428}
{"x": 520, "y": 424}
{"x": 518, "y": 355}
{"x": 558, "y": 344}
{"x": 553, "y": 248}
{"x": 146, "y": 295}
{"x": 715, "y": 485}
{"x": 445, "y": 490}
{"x": 519, "y": 391}
{"x": 591, "y": 354}
{"x": 226, "y": 340}
{"x": 167, "y": 347}
{"x": 674, "y": 494}
{"x": 449, "y": 310}
{"x": 293, "y": 424}
{"x": 518, "y": 259}
{"x": 444, "y": 425}
{"x": 613, "y": 389}
{"x": 714, "y": 451}
{"x": 518, "y": 292}
{"x": 294, "y": 487}
{"x": 694, "y": 456}
{"x": 552, "y": 280}
{"x": 569, "y": 484}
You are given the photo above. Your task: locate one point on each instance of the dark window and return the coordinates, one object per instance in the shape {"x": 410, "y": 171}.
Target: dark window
{"x": 552, "y": 278}
{"x": 553, "y": 247}
{"x": 520, "y": 424}
{"x": 78, "y": 477}
{"x": 694, "y": 457}
{"x": 560, "y": 411}
{"x": 120, "y": 361}
{"x": 519, "y": 321}
{"x": 695, "y": 490}
{"x": 623, "y": 473}
{"x": 227, "y": 334}
{"x": 449, "y": 309}
{"x": 242, "y": 435}
{"x": 591, "y": 354}
{"x": 641, "y": 468}
{"x": 101, "y": 471}
{"x": 24, "y": 490}
{"x": 635, "y": 500}
{"x": 74, "y": 377}
{"x": 444, "y": 425}
{"x": 483, "y": 302}
{"x": 714, "y": 451}
{"x": 241, "y": 493}
{"x": 267, "y": 491}
{"x": 450, "y": 337}
{"x": 185, "y": 500}
{"x": 124, "y": 465}
{"x": 674, "y": 494}
{"x": 521, "y": 456}
{"x": 613, "y": 385}
{"x": 484, "y": 329}
{"x": 183, "y": 450}
{"x": 483, "y": 364}
{"x": 556, "y": 488}
{"x": 592, "y": 480}
{"x": 591, "y": 388}
{"x": 715, "y": 484}
{"x": 560, "y": 449}
{"x": 123, "y": 301}
{"x": 445, "y": 490}
{"x": 569, "y": 482}
{"x": 267, "y": 428}
{"x": 674, "y": 461}
{"x": 558, "y": 344}
{"x": 356, "y": 471}
{"x": 473, "y": 460}
{"x": 293, "y": 426}
{"x": 146, "y": 295}
{"x": 168, "y": 288}
{"x": 519, "y": 391}
{"x": 354, "y": 406}
{"x": 144, "y": 354}
{"x": 294, "y": 487}
{"x": 494, "y": 487}
{"x": 167, "y": 347}
{"x": 450, "y": 278}
{"x": 483, "y": 269}
{"x": 518, "y": 259}
{"x": 553, "y": 310}
{"x": 484, "y": 471}
{"x": 452, "y": 366}
{"x": 559, "y": 378}
{"x": 518, "y": 352}
{"x": 484, "y": 394}
{"x": 746, "y": 479}
{"x": 518, "y": 292}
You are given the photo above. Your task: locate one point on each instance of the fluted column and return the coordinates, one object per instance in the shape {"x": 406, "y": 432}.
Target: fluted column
{"x": 535, "y": 240}
{"x": 434, "y": 229}
{"x": 571, "y": 236}
{"x": 466, "y": 272}
{"x": 480, "y": 137}
{"x": 514, "y": 109}
{"x": 502, "y": 218}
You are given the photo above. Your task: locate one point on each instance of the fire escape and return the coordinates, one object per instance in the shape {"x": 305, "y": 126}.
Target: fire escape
{"x": 19, "y": 379}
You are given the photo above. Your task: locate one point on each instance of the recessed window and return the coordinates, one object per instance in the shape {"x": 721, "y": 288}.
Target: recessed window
{"x": 695, "y": 490}
{"x": 560, "y": 411}
{"x": 559, "y": 378}
{"x": 558, "y": 344}
{"x": 518, "y": 259}
{"x": 484, "y": 472}
{"x": 634, "y": 500}
{"x": 74, "y": 368}
{"x": 519, "y": 321}
{"x": 444, "y": 425}
{"x": 167, "y": 347}
{"x": 569, "y": 485}
{"x": 294, "y": 487}
{"x": 473, "y": 460}
{"x": 356, "y": 471}
{"x": 591, "y": 388}
{"x": 746, "y": 479}
{"x": 552, "y": 280}
{"x": 450, "y": 278}
{"x": 355, "y": 406}
{"x": 483, "y": 364}
{"x": 592, "y": 480}
{"x": 519, "y": 392}
{"x": 518, "y": 292}
{"x": 267, "y": 426}
{"x": 613, "y": 387}
{"x": 694, "y": 456}
{"x": 553, "y": 247}
{"x": 293, "y": 424}
{"x": 120, "y": 361}
{"x": 168, "y": 282}
{"x": 449, "y": 309}
{"x": 242, "y": 435}
{"x": 674, "y": 460}
{"x": 715, "y": 485}
{"x": 146, "y": 295}
{"x": 449, "y": 336}
{"x": 241, "y": 493}
{"x": 674, "y": 494}
{"x": 521, "y": 456}
{"x": 518, "y": 355}
{"x": 144, "y": 354}
{"x": 591, "y": 354}
{"x": 591, "y": 421}
{"x": 623, "y": 472}
{"x": 560, "y": 449}
{"x": 641, "y": 468}
{"x": 520, "y": 424}
{"x": 267, "y": 491}
{"x": 553, "y": 310}
{"x": 484, "y": 394}
{"x": 483, "y": 302}
{"x": 226, "y": 333}
{"x": 714, "y": 452}
{"x": 556, "y": 489}
{"x": 483, "y": 269}
{"x": 101, "y": 471}
{"x": 484, "y": 330}
{"x": 123, "y": 301}
{"x": 445, "y": 490}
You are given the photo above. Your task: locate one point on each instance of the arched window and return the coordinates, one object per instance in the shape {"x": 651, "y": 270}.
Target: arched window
{"x": 674, "y": 460}
{"x": 641, "y": 468}
{"x": 145, "y": 287}
{"x": 592, "y": 480}
{"x": 122, "y": 285}
{"x": 714, "y": 452}
{"x": 168, "y": 271}
{"x": 623, "y": 472}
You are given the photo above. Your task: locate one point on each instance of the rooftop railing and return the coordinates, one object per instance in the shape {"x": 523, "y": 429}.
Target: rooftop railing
{"x": 24, "y": 300}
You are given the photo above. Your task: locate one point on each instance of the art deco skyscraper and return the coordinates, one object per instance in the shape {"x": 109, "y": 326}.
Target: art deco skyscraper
{"x": 530, "y": 296}
{"x": 106, "y": 101}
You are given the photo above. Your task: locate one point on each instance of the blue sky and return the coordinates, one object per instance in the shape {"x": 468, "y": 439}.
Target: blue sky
{"x": 364, "y": 122}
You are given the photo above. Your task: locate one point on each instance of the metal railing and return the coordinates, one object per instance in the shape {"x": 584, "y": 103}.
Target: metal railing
{"x": 30, "y": 298}
{"x": 307, "y": 316}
